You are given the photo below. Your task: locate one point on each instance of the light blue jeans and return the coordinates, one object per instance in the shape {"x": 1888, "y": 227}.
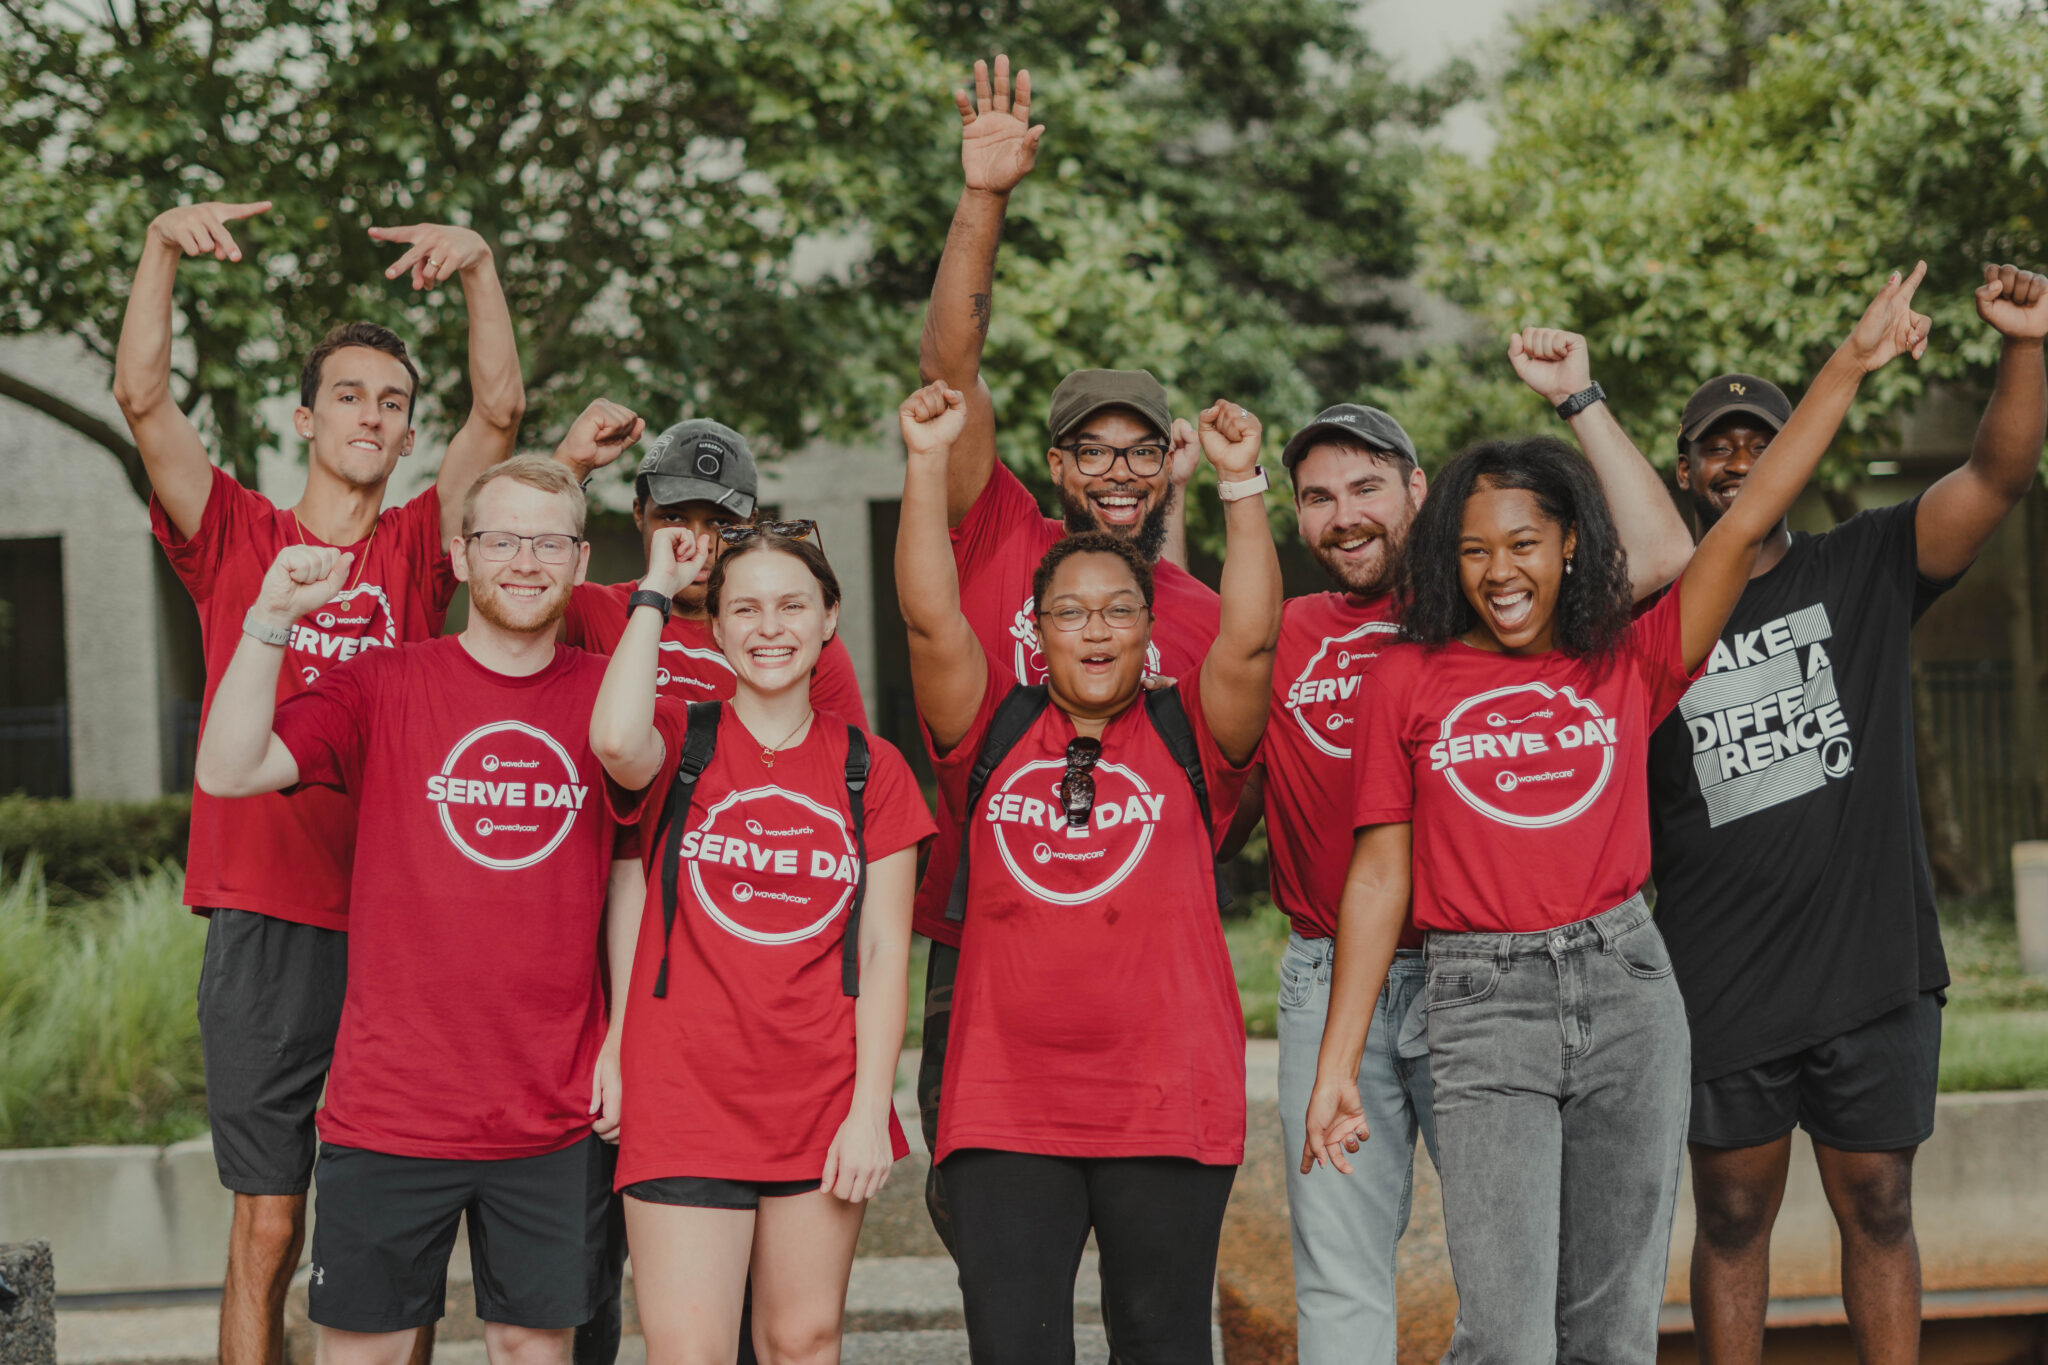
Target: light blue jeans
{"x": 1346, "y": 1226}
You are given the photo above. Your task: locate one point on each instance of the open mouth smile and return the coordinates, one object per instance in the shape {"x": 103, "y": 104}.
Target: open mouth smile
{"x": 1511, "y": 609}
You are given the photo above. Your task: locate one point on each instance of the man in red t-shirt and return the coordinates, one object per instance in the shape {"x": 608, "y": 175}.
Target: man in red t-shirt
{"x": 1117, "y": 456}
{"x": 1356, "y": 489}
{"x": 273, "y": 876}
{"x": 698, "y": 476}
{"x": 473, "y": 1061}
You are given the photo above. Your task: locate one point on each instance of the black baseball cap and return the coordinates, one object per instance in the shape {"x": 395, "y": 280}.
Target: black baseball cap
{"x": 1732, "y": 393}
{"x": 699, "y": 461}
{"x": 1084, "y": 393}
{"x": 1355, "y": 423}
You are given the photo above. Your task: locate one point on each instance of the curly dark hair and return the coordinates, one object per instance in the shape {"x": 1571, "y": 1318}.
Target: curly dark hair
{"x": 809, "y": 555}
{"x": 1091, "y": 543}
{"x": 1594, "y": 603}
{"x": 355, "y": 334}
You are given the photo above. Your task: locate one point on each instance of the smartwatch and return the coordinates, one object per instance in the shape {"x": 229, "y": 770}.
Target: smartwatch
{"x": 264, "y": 631}
{"x": 1580, "y": 401}
{"x": 647, "y": 597}
{"x": 1244, "y": 488}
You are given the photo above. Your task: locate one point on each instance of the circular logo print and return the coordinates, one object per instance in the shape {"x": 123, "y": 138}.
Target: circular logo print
{"x": 771, "y": 866}
{"x": 1320, "y": 697}
{"x": 1528, "y": 756}
{"x": 1072, "y": 866}
{"x": 507, "y": 795}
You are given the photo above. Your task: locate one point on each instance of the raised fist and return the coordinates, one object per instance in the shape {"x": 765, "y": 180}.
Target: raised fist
{"x": 1183, "y": 452}
{"x": 932, "y": 419}
{"x": 301, "y": 578}
{"x": 600, "y": 434}
{"x": 1890, "y": 327}
{"x": 675, "y": 558}
{"x": 1231, "y": 438}
{"x": 202, "y": 229}
{"x": 1550, "y": 361}
{"x": 2015, "y": 301}
{"x": 438, "y": 252}
{"x": 997, "y": 142}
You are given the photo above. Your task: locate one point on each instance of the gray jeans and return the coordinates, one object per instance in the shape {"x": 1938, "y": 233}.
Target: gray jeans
{"x": 1345, "y": 1227}
{"x": 1561, "y": 1063}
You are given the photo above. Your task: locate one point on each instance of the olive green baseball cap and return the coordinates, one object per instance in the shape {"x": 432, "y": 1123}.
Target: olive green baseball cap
{"x": 1084, "y": 393}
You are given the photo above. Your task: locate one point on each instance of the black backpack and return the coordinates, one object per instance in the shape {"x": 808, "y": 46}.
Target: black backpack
{"x": 1014, "y": 717}
{"x": 700, "y": 741}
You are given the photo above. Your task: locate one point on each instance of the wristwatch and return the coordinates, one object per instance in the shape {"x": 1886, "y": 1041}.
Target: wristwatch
{"x": 1580, "y": 401}
{"x": 1243, "y": 488}
{"x": 264, "y": 631}
{"x": 647, "y": 597}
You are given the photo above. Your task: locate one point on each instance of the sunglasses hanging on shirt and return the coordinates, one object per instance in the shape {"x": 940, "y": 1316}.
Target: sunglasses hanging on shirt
{"x": 1077, "y": 787}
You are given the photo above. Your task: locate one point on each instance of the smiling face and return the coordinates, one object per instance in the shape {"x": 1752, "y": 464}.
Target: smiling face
{"x": 1713, "y": 471}
{"x": 521, "y": 594}
{"x": 1094, "y": 671}
{"x": 698, "y": 517}
{"x": 1116, "y": 501}
{"x": 360, "y": 423}
{"x": 1355, "y": 507}
{"x": 772, "y": 620}
{"x": 1511, "y": 558}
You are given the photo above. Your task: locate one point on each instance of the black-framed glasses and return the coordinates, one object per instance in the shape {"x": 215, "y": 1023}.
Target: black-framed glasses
{"x": 1072, "y": 616}
{"x": 1077, "y": 786}
{"x": 1144, "y": 460}
{"x": 740, "y": 532}
{"x": 501, "y": 546}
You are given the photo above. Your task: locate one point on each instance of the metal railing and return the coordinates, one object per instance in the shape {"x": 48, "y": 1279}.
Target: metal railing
{"x": 1995, "y": 805}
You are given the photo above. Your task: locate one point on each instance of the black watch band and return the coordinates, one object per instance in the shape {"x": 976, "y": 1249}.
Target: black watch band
{"x": 647, "y": 597}
{"x": 1580, "y": 401}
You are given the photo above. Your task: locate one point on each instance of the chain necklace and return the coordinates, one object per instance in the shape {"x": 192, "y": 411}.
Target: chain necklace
{"x": 768, "y": 751}
{"x": 362, "y": 559}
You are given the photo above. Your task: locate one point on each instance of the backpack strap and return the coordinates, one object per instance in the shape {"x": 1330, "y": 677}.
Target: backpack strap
{"x": 1014, "y": 717}
{"x": 1170, "y": 720}
{"x": 856, "y": 787}
{"x": 700, "y": 741}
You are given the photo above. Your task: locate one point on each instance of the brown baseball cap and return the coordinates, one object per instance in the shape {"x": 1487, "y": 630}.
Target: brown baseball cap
{"x": 1084, "y": 393}
{"x": 1732, "y": 393}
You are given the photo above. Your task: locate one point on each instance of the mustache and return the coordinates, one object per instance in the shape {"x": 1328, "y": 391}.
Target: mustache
{"x": 1338, "y": 535}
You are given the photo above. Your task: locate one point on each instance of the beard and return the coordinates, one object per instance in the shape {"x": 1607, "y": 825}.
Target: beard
{"x": 1369, "y": 579}
{"x": 489, "y": 601}
{"x": 1148, "y": 537}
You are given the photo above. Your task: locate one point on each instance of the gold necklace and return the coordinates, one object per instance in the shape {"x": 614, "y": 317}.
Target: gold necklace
{"x": 768, "y": 751}
{"x": 362, "y": 560}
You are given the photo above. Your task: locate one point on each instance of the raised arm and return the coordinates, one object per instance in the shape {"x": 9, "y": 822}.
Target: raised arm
{"x": 948, "y": 671}
{"x": 600, "y": 434}
{"x": 1237, "y": 674}
{"x": 997, "y": 148}
{"x": 1720, "y": 567}
{"x": 622, "y": 732}
{"x": 1957, "y": 516}
{"x": 436, "y": 253}
{"x": 239, "y": 753}
{"x": 1554, "y": 363}
{"x": 172, "y": 452}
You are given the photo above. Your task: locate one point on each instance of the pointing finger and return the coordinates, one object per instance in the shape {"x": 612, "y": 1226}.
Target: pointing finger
{"x": 408, "y": 233}
{"x": 249, "y": 210}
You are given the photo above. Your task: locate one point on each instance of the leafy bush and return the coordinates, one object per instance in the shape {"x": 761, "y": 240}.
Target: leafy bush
{"x": 85, "y": 847}
{"x": 99, "y": 1038}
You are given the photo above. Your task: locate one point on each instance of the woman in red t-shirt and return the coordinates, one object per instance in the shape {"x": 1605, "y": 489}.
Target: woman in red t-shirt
{"x": 1094, "y": 1070}
{"x": 1500, "y": 782}
{"x": 757, "y": 1041}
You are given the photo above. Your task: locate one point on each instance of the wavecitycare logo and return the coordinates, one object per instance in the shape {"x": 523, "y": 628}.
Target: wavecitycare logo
{"x": 1320, "y": 697}
{"x": 507, "y": 795}
{"x": 771, "y": 866}
{"x": 1530, "y": 756}
{"x": 1056, "y": 862}
{"x": 358, "y": 618}
{"x": 674, "y": 677}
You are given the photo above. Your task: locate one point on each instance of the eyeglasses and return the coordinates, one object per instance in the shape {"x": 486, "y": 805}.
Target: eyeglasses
{"x": 500, "y": 546}
{"x": 1143, "y": 460}
{"x": 1077, "y": 787}
{"x": 739, "y": 533}
{"x": 1117, "y": 616}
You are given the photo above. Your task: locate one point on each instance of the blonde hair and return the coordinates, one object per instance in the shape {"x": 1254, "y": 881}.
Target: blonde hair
{"x": 535, "y": 471}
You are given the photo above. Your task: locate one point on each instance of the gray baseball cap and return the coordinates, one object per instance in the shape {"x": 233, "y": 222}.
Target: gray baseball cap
{"x": 1355, "y": 423}
{"x": 699, "y": 461}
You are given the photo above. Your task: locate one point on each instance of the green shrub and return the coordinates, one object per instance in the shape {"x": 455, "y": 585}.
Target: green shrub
{"x": 99, "y": 1039}
{"x": 1257, "y": 940}
{"x": 85, "y": 847}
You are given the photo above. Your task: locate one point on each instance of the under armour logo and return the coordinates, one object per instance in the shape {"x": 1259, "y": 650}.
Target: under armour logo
{"x": 1738, "y": 388}
{"x": 319, "y": 1275}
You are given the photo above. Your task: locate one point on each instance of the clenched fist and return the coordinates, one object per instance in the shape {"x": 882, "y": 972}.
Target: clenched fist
{"x": 1231, "y": 437}
{"x": 932, "y": 419}
{"x": 600, "y": 434}
{"x": 1550, "y": 361}
{"x": 301, "y": 578}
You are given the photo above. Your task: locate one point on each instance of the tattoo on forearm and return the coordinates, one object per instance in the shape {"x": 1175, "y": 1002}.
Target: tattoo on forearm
{"x": 978, "y": 308}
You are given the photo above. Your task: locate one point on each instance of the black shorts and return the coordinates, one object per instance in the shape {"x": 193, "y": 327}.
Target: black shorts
{"x": 384, "y": 1225}
{"x": 709, "y": 1192}
{"x": 1870, "y": 1090}
{"x": 269, "y": 1003}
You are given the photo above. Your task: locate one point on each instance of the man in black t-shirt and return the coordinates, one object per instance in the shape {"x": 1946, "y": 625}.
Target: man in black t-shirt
{"x": 1792, "y": 879}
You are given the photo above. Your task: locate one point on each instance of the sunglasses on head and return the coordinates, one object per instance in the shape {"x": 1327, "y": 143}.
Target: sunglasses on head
{"x": 1077, "y": 786}
{"x": 739, "y": 533}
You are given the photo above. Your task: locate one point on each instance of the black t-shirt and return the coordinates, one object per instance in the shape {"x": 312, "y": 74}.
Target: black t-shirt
{"x": 1792, "y": 878}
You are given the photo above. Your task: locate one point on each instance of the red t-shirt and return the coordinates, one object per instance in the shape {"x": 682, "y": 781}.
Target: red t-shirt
{"x": 288, "y": 856}
{"x": 1525, "y": 776}
{"x": 996, "y": 549}
{"x": 474, "y": 1012}
{"x": 692, "y": 668}
{"x": 1095, "y": 1013}
{"x": 744, "y": 1070}
{"x": 1326, "y": 642}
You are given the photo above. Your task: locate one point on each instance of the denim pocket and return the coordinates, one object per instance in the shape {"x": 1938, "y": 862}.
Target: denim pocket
{"x": 1459, "y": 981}
{"x": 1297, "y": 979}
{"x": 1642, "y": 953}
